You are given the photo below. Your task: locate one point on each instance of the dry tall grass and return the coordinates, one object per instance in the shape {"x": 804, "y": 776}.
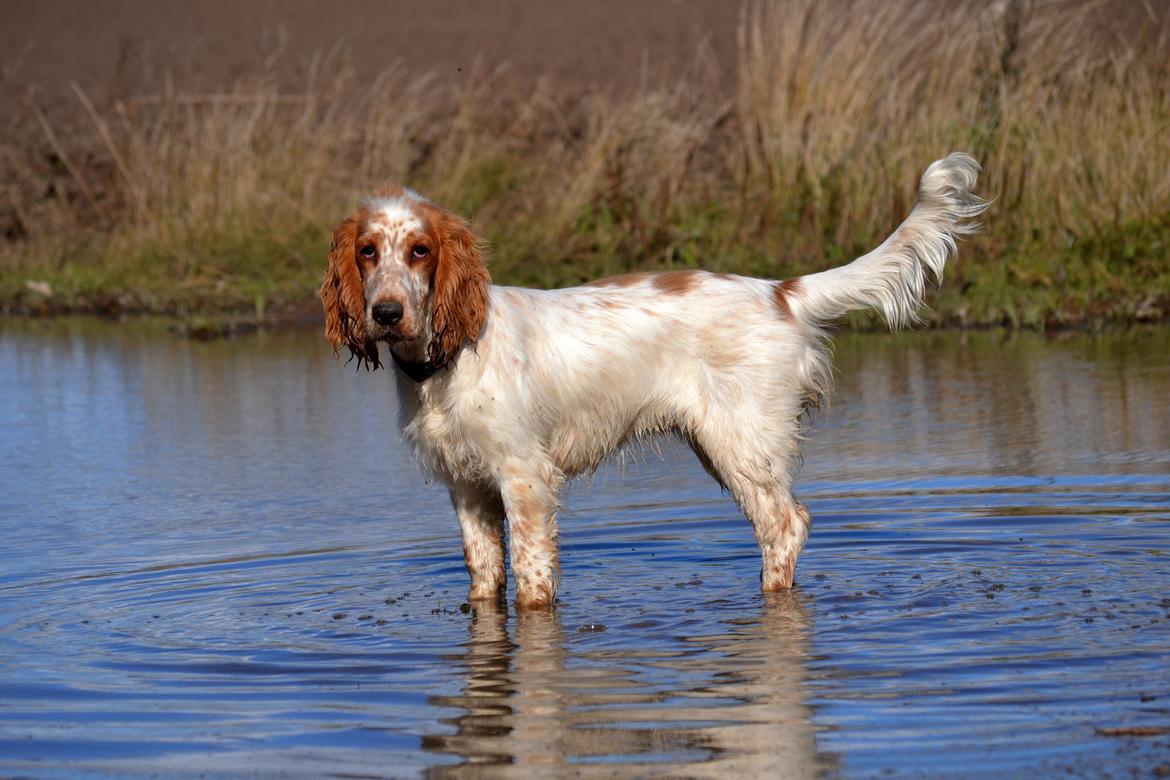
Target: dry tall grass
{"x": 179, "y": 201}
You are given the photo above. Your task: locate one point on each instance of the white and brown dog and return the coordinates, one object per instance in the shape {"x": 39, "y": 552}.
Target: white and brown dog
{"x": 506, "y": 393}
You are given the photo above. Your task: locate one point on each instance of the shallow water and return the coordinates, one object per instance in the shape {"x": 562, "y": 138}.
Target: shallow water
{"x": 219, "y": 559}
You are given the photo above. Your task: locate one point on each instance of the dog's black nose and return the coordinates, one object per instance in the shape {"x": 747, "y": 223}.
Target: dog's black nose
{"x": 387, "y": 314}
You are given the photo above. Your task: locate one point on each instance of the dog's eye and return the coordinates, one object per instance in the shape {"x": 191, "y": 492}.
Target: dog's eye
{"x": 419, "y": 252}
{"x": 369, "y": 252}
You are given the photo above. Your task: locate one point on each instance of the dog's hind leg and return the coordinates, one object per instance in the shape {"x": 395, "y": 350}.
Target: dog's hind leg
{"x": 781, "y": 525}
{"x": 761, "y": 484}
{"x": 781, "y": 530}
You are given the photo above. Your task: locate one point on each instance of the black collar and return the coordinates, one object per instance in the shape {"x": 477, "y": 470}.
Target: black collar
{"x": 419, "y": 372}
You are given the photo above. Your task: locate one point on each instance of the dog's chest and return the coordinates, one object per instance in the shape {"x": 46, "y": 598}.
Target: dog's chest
{"x": 459, "y": 436}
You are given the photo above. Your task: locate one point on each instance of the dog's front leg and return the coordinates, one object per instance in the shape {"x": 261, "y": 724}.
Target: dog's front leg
{"x": 481, "y": 519}
{"x": 530, "y": 501}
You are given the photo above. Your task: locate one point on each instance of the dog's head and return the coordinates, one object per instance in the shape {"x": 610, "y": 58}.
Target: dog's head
{"x": 404, "y": 271}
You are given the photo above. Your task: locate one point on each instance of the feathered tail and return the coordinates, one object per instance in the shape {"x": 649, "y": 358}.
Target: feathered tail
{"x": 892, "y": 277}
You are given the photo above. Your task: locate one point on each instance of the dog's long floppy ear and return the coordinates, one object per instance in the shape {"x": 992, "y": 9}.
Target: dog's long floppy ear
{"x": 459, "y": 301}
{"x": 343, "y": 297}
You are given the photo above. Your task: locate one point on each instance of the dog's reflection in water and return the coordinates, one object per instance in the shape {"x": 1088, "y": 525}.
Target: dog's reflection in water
{"x": 538, "y": 698}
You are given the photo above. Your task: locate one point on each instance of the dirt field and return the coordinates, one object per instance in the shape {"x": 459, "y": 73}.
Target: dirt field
{"x": 115, "y": 49}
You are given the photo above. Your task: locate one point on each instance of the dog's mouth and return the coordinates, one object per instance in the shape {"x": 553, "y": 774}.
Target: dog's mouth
{"x": 392, "y": 335}
{"x": 407, "y": 351}
{"x": 403, "y": 348}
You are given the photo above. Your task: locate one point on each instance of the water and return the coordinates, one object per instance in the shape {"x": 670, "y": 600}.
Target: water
{"x": 218, "y": 559}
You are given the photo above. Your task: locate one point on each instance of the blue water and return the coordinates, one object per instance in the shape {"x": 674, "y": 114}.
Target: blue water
{"x": 220, "y": 560}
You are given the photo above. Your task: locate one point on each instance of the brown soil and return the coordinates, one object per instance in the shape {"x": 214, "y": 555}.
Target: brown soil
{"x": 130, "y": 47}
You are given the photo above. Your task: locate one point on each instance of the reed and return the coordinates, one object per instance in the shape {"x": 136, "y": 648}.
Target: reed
{"x": 187, "y": 202}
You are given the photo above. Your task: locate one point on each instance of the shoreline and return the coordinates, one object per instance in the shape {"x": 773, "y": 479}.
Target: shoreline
{"x": 190, "y": 322}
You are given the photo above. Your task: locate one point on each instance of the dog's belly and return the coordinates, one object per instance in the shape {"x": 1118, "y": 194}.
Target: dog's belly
{"x": 581, "y": 445}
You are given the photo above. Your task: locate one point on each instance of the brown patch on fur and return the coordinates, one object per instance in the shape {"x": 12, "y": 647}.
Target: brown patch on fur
{"x": 342, "y": 295}
{"x": 676, "y": 282}
{"x": 720, "y": 353}
{"x": 526, "y": 506}
{"x": 669, "y": 282}
{"x": 459, "y": 286}
{"x": 625, "y": 280}
{"x": 782, "y": 294}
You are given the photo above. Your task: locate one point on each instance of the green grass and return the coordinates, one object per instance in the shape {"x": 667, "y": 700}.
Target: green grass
{"x": 262, "y": 271}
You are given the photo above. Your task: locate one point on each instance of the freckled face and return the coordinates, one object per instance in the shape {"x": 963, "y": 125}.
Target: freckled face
{"x": 396, "y": 254}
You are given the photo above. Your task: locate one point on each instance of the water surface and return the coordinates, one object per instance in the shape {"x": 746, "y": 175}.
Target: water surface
{"x": 220, "y": 560}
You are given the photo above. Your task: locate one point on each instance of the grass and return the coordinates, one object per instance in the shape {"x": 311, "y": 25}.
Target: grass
{"x": 202, "y": 205}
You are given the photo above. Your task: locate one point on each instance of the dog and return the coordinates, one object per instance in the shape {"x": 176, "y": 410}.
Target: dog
{"x": 506, "y": 393}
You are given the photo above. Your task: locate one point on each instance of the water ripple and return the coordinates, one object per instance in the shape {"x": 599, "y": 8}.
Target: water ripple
{"x": 984, "y": 591}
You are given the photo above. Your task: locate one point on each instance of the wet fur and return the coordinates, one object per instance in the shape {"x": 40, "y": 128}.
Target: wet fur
{"x": 533, "y": 387}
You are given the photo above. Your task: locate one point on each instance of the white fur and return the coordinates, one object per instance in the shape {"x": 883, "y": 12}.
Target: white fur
{"x": 892, "y": 277}
{"x": 559, "y": 379}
